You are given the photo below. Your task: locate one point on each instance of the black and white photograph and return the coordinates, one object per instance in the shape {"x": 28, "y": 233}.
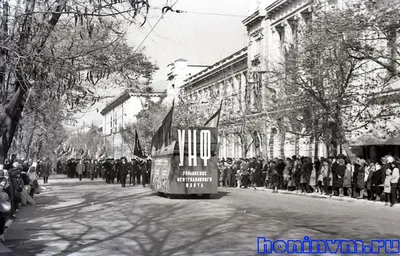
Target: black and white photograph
{"x": 199, "y": 127}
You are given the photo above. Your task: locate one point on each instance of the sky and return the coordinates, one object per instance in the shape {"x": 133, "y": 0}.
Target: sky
{"x": 210, "y": 31}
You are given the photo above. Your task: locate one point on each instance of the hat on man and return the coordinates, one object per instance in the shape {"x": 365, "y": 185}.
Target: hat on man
{"x": 390, "y": 159}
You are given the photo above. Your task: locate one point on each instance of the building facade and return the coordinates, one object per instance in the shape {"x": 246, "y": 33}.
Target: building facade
{"x": 119, "y": 113}
{"x": 227, "y": 80}
{"x": 272, "y": 27}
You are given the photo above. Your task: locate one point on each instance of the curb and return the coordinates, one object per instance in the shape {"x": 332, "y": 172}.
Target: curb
{"x": 345, "y": 199}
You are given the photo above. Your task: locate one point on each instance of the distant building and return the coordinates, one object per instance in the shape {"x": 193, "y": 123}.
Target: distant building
{"x": 179, "y": 70}
{"x": 122, "y": 111}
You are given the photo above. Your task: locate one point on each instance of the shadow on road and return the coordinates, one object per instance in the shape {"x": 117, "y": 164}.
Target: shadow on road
{"x": 85, "y": 218}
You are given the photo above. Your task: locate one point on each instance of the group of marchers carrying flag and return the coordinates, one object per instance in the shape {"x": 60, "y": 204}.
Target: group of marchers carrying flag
{"x": 161, "y": 138}
{"x": 67, "y": 151}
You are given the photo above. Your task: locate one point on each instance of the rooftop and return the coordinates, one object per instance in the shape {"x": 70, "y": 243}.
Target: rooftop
{"x": 128, "y": 93}
{"x": 218, "y": 65}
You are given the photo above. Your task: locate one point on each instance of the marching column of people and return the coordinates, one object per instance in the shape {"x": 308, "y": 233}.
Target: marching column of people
{"x": 111, "y": 170}
{"x": 332, "y": 176}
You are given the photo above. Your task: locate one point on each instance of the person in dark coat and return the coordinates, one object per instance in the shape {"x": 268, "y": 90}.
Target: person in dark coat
{"x": 376, "y": 183}
{"x": 361, "y": 178}
{"x": 132, "y": 173}
{"x": 117, "y": 169}
{"x": 280, "y": 168}
{"x": 86, "y": 171}
{"x": 108, "y": 166}
{"x": 59, "y": 164}
{"x": 123, "y": 169}
{"x": 354, "y": 180}
{"x": 17, "y": 184}
{"x": 340, "y": 172}
{"x": 45, "y": 170}
{"x": 91, "y": 169}
{"x": 368, "y": 181}
{"x": 143, "y": 170}
{"x": 80, "y": 169}
{"x": 137, "y": 171}
{"x": 306, "y": 169}
{"x": 70, "y": 168}
{"x": 113, "y": 171}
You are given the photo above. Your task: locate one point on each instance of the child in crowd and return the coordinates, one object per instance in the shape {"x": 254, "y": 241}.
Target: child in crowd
{"x": 386, "y": 186}
{"x": 320, "y": 179}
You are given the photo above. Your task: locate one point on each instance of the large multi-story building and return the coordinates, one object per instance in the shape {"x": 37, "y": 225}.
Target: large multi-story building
{"x": 227, "y": 78}
{"x": 272, "y": 27}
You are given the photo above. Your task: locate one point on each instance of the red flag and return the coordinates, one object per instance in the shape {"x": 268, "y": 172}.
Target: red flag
{"x": 163, "y": 134}
{"x": 214, "y": 119}
{"x": 137, "y": 151}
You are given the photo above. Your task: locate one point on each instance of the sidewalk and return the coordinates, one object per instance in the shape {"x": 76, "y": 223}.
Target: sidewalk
{"x": 317, "y": 195}
{"x": 23, "y": 215}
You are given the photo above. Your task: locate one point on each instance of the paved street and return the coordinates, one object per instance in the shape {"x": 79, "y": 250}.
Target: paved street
{"x": 93, "y": 218}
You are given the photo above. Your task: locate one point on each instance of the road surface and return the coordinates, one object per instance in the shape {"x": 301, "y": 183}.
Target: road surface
{"x": 94, "y": 218}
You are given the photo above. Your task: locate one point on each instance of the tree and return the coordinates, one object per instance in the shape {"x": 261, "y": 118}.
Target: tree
{"x": 192, "y": 111}
{"x": 90, "y": 141}
{"x": 148, "y": 120}
{"x": 62, "y": 50}
{"x": 325, "y": 87}
{"x": 40, "y": 130}
{"x": 241, "y": 115}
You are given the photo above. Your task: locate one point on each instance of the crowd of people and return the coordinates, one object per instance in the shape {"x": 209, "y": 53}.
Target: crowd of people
{"x": 19, "y": 182}
{"x": 332, "y": 176}
{"x": 110, "y": 170}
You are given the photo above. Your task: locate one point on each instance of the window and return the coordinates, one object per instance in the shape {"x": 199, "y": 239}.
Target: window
{"x": 115, "y": 121}
{"x": 111, "y": 123}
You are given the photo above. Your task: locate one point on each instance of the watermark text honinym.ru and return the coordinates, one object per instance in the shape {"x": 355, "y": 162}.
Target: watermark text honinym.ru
{"x": 309, "y": 246}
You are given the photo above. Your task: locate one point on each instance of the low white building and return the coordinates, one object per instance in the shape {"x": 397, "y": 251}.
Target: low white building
{"x": 122, "y": 111}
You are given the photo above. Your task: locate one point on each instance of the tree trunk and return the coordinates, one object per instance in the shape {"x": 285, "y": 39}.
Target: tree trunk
{"x": 297, "y": 146}
{"x": 9, "y": 119}
{"x": 316, "y": 148}
{"x": 282, "y": 144}
{"x": 310, "y": 151}
{"x": 271, "y": 145}
{"x": 244, "y": 150}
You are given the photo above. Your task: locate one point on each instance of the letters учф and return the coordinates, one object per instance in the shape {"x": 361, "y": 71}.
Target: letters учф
{"x": 205, "y": 146}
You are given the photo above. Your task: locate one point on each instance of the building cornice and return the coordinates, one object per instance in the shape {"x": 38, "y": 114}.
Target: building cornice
{"x": 126, "y": 95}
{"x": 281, "y": 4}
{"x": 277, "y": 6}
{"x": 215, "y": 68}
{"x": 254, "y": 18}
